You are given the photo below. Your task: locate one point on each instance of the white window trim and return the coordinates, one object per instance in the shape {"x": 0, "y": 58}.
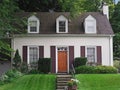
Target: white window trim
{"x": 95, "y": 52}
{"x": 33, "y": 18}
{"x": 92, "y": 19}
{"x": 28, "y": 50}
{"x": 61, "y": 18}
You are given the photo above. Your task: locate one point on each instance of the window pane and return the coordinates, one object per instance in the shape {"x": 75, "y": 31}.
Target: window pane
{"x": 33, "y": 54}
{"x": 62, "y": 26}
{"x": 33, "y": 26}
{"x": 90, "y": 26}
{"x": 91, "y": 54}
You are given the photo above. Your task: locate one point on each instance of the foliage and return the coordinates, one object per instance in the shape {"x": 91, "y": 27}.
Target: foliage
{"x": 10, "y": 75}
{"x": 44, "y": 65}
{"x": 96, "y": 69}
{"x": 33, "y": 71}
{"x": 17, "y": 60}
{"x": 72, "y": 82}
{"x": 8, "y": 23}
{"x": 116, "y": 45}
{"x": 78, "y": 6}
{"x": 5, "y": 50}
{"x": 73, "y": 6}
{"x": 117, "y": 64}
{"x": 32, "y": 82}
{"x": 115, "y": 20}
{"x": 39, "y": 5}
{"x": 98, "y": 81}
{"x": 24, "y": 67}
{"x": 79, "y": 61}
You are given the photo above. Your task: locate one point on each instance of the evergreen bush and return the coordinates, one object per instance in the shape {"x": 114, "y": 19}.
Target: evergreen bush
{"x": 44, "y": 65}
{"x": 79, "y": 61}
{"x": 17, "y": 60}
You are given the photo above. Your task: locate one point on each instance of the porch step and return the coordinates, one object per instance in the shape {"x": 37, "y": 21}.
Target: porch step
{"x": 61, "y": 82}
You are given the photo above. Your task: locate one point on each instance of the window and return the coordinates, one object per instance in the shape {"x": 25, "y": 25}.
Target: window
{"x": 33, "y": 24}
{"x": 33, "y": 54}
{"x": 91, "y": 54}
{"x": 90, "y": 25}
{"x": 61, "y": 24}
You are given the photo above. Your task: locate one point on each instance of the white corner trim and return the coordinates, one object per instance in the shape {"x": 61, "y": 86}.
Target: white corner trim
{"x": 61, "y": 18}
{"x": 33, "y": 18}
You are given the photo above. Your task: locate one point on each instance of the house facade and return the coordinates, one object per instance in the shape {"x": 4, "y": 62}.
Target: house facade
{"x": 58, "y": 36}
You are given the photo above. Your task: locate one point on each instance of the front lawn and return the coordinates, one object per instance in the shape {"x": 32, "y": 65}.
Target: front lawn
{"x": 99, "y": 81}
{"x": 32, "y": 82}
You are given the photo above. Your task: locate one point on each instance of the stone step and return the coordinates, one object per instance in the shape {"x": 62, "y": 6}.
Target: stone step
{"x": 64, "y": 76}
{"x": 63, "y": 79}
{"x": 61, "y": 87}
{"x": 61, "y": 84}
{"x": 64, "y": 73}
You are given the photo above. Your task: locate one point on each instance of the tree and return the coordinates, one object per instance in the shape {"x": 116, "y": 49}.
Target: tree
{"x": 73, "y": 6}
{"x": 8, "y": 23}
{"x": 17, "y": 60}
{"x": 115, "y": 22}
{"x": 39, "y": 5}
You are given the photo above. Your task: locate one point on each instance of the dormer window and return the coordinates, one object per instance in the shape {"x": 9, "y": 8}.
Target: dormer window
{"x": 90, "y": 25}
{"x": 61, "y": 24}
{"x": 33, "y": 24}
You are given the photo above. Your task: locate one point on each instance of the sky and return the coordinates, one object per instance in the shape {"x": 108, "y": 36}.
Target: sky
{"x": 116, "y": 1}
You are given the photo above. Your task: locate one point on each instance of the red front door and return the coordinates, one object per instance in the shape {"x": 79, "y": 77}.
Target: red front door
{"x": 62, "y": 61}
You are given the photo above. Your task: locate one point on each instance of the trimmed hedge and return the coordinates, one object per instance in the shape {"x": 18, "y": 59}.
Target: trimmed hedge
{"x": 95, "y": 69}
{"x": 79, "y": 61}
{"x": 44, "y": 65}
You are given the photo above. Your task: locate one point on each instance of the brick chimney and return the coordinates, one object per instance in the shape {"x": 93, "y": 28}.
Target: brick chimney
{"x": 105, "y": 9}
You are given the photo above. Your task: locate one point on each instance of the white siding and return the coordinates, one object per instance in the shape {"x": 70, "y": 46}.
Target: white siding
{"x": 67, "y": 41}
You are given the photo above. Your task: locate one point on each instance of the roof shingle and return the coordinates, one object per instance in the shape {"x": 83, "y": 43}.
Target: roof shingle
{"x": 75, "y": 25}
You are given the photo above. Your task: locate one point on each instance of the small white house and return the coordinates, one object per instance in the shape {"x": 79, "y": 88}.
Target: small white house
{"x": 55, "y": 35}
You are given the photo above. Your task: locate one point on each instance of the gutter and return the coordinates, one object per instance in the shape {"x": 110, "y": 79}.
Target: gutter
{"x": 62, "y": 35}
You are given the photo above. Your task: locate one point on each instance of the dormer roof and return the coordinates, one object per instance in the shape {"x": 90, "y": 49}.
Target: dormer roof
{"x": 75, "y": 25}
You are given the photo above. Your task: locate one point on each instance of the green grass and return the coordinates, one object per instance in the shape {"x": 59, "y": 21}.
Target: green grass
{"x": 99, "y": 81}
{"x": 32, "y": 82}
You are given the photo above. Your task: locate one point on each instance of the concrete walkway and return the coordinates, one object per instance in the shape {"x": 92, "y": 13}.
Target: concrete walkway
{"x": 4, "y": 66}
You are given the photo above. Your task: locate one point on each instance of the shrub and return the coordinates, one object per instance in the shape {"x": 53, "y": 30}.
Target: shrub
{"x": 17, "y": 60}
{"x": 95, "y": 69}
{"x": 33, "y": 71}
{"x": 84, "y": 69}
{"x": 24, "y": 68}
{"x": 44, "y": 65}
{"x": 10, "y": 75}
{"x": 117, "y": 64}
{"x": 79, "y": 61}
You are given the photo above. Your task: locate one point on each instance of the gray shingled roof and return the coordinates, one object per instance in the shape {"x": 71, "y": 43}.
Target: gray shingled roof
{"x": 75, "y": 25}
